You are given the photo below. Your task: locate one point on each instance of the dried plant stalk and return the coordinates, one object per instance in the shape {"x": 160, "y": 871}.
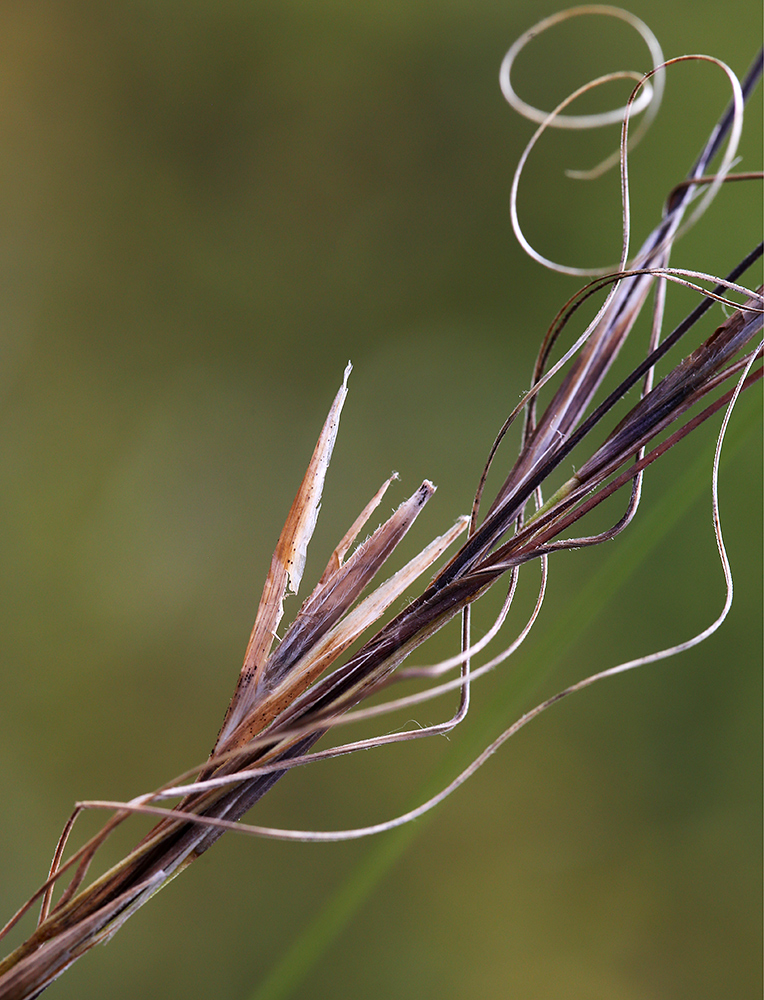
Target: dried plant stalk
{"x": 288, "y": 695}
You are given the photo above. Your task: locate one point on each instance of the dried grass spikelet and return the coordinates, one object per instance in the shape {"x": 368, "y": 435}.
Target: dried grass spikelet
{"x": 291, "y": 692}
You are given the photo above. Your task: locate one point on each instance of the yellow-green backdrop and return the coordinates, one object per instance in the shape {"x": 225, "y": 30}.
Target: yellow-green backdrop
{"x": 206, "y": 208}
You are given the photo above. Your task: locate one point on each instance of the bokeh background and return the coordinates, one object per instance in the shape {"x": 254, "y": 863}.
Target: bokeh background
{"x": 205, "y": 210}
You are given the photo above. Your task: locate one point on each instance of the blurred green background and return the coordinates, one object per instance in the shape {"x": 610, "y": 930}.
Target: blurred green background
{"x": 205, "y": 210}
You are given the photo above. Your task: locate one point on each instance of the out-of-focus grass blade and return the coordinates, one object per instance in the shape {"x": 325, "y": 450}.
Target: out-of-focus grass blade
{"x": 526, "y": 675}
